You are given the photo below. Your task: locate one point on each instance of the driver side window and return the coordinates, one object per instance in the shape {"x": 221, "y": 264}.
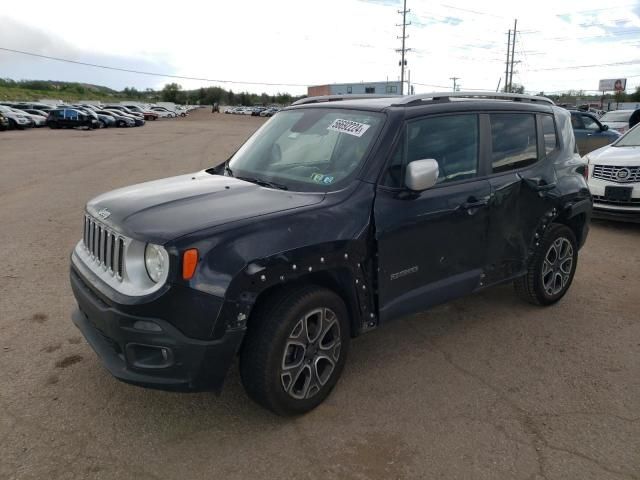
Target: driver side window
{"x": 451, "y": 140}
{"x": 590, "y": 123}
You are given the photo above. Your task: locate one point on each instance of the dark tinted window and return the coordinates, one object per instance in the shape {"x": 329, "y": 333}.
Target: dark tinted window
{"x": 549, "y": 134}
{"x": 369, "y": 90}
{"x": 513, "y": 139}
{"x": 450, "y": 140}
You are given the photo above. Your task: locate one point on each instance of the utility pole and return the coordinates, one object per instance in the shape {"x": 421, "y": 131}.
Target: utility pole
{"x": 403, "y": 50}
{"x": 506, "y": 67}
{"x": 455, "y": 79}
{"x": 513, "y": 52}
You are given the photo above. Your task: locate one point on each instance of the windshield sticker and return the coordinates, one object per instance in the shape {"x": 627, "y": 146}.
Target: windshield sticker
{"x": 324, "y": 179}
{"x": 349, "y": 127}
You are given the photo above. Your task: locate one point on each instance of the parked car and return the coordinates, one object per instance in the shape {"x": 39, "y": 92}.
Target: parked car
{"x": 106, "y": 121}
{"x": 138, "y": 122}
{"x": 147, "y": 114}
{"x": 4, "y": 122}
{"x": 17, "y": 121}
{"x": 614, "y": 178}
{"x": 589, "y": 132}
{"x": 256, "y": 111}
{"x": 164, "y": 112}
{"x": 35, "y": 112}
{"x": 269, "y": 112}
{"x": 71, "y": 118}
{"x": 120, "y": 120}
{"x": 338, "y": 218}
{"x": 617, "y": 120}
{"x": 35, "y": 120}
{"x": 124, "y": 109}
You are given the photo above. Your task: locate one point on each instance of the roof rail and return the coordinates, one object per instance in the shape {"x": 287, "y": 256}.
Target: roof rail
{"x": 337, "y": 98}
{"x": 445, "y": 96}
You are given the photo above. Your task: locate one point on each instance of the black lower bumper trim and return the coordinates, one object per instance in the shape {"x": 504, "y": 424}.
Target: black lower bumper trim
{"x": 193, "y": 365}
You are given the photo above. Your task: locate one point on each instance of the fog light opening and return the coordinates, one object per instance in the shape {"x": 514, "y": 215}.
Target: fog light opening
{"x": 147, "y": 326}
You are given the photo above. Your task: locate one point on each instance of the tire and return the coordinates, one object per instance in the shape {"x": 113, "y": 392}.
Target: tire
{"x": 280, "y": 368}
{"x": 551, "y": 268}
{"x": 102, "y": 124}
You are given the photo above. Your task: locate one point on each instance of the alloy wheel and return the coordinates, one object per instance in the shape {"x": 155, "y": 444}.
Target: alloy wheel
{"x": 311, "y": 353}
{"x": 557, "y": 266}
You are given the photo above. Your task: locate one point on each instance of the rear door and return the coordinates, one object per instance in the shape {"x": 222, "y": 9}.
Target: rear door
{"x": 432, "y": 244}
{"x": 522, "y": 178}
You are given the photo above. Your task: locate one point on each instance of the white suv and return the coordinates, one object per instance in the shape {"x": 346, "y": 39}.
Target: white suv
{"x": 614, "y": 178}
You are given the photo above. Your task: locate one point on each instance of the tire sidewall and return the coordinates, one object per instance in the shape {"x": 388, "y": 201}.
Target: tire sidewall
{"x": 556, "y": 232}
{"x": 280, "y": 401}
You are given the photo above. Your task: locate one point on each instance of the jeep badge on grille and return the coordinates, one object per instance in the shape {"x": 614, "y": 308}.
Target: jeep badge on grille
{"x": 104, "y": 213}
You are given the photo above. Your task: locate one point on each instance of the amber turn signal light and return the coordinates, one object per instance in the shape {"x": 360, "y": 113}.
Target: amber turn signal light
{"x": 189, "y": 263}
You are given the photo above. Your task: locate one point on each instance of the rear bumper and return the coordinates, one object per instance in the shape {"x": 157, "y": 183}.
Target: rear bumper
{"x": 164, "y": 359}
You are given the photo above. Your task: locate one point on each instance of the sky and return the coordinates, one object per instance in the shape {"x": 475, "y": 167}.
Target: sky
{"x": 286, "y": 45}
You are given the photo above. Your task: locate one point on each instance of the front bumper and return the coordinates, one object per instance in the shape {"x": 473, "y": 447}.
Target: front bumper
{"x": 164, "y": 359}
{"x": 607, "y": 208}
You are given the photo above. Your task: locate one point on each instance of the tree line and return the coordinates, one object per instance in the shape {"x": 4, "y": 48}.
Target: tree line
{"x": 171, "y": 92}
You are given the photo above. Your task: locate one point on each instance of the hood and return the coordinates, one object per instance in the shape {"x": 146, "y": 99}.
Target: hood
{"x": 166, "y": 209}
{"x": 619, "y": 156}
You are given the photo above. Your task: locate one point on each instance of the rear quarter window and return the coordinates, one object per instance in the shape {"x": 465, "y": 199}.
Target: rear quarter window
{"x": 513, "y": 141}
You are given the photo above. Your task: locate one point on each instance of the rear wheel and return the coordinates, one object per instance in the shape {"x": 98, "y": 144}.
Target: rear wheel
{"x": 295, "y": 350}
{"x": 551, "y": 267}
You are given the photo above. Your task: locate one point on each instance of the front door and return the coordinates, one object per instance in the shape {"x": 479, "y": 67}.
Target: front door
{"x": 431, "y": 244}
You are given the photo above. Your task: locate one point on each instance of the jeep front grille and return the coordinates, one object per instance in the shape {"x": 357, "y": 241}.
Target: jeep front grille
{"x": 617, "y": 174}
{"x": 105, "y": 246}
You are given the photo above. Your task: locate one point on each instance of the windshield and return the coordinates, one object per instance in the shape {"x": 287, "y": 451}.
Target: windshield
{"x": 630, "y": 139}
{"x": 311, "y": 149}
{"x": 616, "y": 117}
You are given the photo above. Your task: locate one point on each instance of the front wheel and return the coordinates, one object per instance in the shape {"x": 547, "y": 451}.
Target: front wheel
{"x": 551, "y": 267}
{"x": 295, "y": 350}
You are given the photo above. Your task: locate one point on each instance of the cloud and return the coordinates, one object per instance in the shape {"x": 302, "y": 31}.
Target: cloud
{"x": 287, "y": 41}
{"x": 18, "y": 36}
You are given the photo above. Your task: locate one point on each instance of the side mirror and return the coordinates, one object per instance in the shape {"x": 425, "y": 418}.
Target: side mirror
{"x": 421, "y": 174}
{"x": 605, "y": 128}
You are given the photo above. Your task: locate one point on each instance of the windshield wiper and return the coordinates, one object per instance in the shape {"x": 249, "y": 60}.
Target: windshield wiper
{"x": 264, "y": 183}
{"x": 227, "y": 169}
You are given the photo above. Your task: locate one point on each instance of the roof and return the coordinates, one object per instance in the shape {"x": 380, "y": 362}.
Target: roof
{"x": 380, "y": 102}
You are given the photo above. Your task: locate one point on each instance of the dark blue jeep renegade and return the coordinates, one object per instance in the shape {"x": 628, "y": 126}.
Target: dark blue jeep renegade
{"x": 338, "y": 215}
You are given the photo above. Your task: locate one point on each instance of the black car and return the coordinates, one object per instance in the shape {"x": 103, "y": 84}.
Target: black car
{"x": 341, "y": 216}
{"x": 137, "y": 120}
{"x": 120, "y": 120}
{"x": 71, "y": 118}
{"x": 4, "y": 122}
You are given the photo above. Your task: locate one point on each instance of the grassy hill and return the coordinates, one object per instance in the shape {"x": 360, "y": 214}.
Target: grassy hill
{"x": 67, "y": 91}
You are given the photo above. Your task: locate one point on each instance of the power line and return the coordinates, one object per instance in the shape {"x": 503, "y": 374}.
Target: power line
{"x": 631, "y": 62}
{"x": 153, "y": 74}
{"x": 403, "y": 50}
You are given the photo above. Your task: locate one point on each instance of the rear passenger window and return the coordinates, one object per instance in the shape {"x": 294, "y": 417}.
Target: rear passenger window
{"x": 549, "y": 134}
{"x": 514, "y": 141}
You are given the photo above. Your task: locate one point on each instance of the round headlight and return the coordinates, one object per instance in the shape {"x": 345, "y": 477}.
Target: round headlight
{"x": 156, "y": 260}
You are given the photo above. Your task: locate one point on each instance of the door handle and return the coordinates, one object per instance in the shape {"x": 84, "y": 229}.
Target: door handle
{"x": 468, "y": 205}
{"x": 537, "y": 185}
{"x": 589, "y": 134}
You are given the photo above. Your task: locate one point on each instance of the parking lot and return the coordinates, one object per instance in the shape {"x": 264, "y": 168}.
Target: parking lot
{"x": 486, "y": 387}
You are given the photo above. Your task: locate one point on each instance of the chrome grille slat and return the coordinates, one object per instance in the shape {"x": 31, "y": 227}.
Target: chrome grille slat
{"x": 105, "y": 246}
{"x": 610, "y": 173}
